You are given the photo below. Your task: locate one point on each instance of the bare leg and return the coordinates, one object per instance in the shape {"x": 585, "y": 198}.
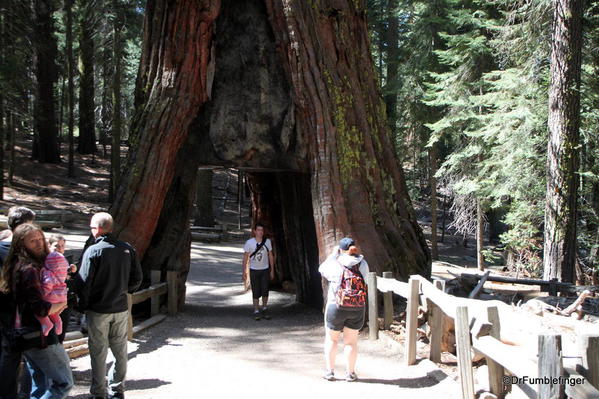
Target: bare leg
{"x": 331, "y": 340}
{"x": 350, "y": 350}
{"x": 257, "y": 304}
{"x": 264, "y": 301}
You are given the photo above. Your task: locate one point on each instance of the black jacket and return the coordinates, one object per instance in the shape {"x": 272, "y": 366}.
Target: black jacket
{"x": 109, "y": 270}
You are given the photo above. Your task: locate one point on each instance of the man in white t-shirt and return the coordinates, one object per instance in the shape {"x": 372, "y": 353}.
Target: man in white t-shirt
{"x": 258, "y": 257}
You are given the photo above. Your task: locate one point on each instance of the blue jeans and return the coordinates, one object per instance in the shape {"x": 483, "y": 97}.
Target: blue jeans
{"x": 51, "y": 376}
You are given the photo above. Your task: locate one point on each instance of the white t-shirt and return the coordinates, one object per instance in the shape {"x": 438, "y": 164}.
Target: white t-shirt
{"x": 260, "y": 260}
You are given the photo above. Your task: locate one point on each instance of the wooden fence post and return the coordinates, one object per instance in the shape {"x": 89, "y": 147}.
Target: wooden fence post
{"x": 373, "y": 323}
{"x": 129, "y": 317}
{"x": 440, "y": 284}
{"x": 462, "y": 332}
{"x": 388, "y": 303}
{"x": 172, "y": 283}
{"x": 412, "y": 320}
{"x": 550, "y": 365}
{"x": 155, "y": 301}
{"x": 496, "y": 371}
{"x": 589, "y": 347}
{"x": 435, "y": 325}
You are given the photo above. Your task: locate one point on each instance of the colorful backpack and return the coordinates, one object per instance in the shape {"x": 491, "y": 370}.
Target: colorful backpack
{"x": 352, "y": 291}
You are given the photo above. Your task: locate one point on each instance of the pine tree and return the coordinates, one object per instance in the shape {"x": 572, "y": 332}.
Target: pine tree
{"x": 563, "y": 157}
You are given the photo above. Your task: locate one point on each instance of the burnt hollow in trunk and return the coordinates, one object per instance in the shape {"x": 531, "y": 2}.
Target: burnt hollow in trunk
{"x": 282, "y": 202}
{"x": 248, "y": 124}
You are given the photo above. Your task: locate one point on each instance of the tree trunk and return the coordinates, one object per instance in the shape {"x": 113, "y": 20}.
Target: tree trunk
{"x": 171, "y": 241}
{"x": 433, "y": 183}
{"x": 559, "y": 249}
{"x": 115, "y": 149}
{"x": 11, "y": 147}
{"x": 68, "y": 6}
{"x": 172, "y": 86}
{"x": 87, "y": 125}
{"x": 480, "y": 236}
{"x": 106, "y": 113}
{"x": 204, "y": 213}
{"x": 309, "y": 111}
{"x": 358, "y": 187}
{"x": 3, "y": 117}
{"x": 392, "y": 62}
{"x": 46, "y": 132}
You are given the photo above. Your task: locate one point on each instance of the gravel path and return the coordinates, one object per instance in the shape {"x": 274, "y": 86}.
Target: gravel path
{"x": 214, "y": 347}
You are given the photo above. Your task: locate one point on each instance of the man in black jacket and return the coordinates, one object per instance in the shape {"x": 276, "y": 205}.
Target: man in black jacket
{"x": 109, "y": 271}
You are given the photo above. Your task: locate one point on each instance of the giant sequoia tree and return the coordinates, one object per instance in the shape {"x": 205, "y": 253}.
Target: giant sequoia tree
{"x": 285, "y": 90}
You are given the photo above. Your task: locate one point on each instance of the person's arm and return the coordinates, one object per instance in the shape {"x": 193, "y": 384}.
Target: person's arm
{"x": 244, "y": 265}
{"x": 84, "y": 278}
{"x": 271, "y": 264}
{"x": 135, "y": 275}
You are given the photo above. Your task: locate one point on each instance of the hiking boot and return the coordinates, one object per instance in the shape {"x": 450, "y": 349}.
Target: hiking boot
{"x": 351, "y": 377}
{"x": 265, "y": 314}
{"x": 329, "y": 375}
{"x": 257, "y": 315}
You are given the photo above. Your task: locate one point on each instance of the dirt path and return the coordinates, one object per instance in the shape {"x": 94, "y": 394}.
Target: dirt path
{"x": 215, "y": 348}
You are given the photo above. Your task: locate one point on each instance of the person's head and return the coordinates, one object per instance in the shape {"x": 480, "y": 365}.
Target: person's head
{"x": 57, "y": 243}
{"x": 18, "y": 215}
{"x": 101, "y": 224}
{"x": 28, "y": 242}
{"x": 348, "y": 246}
{"x": 259, "y": 231}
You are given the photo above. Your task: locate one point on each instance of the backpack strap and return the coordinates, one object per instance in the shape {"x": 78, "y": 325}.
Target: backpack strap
{"x": 259, "y": 247}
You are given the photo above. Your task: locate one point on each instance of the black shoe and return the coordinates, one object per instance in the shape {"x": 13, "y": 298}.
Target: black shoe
{"x": 117, "y": 395}
{"x": 265, "y": 314}
{"x": 257, "y": 315}
{"x": 97, "y": 397}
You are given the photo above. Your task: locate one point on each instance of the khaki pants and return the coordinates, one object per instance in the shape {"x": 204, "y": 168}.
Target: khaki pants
{"x": 107, "y": 330}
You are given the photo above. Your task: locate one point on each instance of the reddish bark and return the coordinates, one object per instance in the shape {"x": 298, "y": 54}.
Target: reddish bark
{"x": 172, "y": 87}
{"x": 333, "y": 129}
{"x": 358, "y": 187}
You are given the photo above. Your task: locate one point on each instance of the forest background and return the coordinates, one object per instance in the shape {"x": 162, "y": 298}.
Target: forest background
{"x": 466, "y": 86}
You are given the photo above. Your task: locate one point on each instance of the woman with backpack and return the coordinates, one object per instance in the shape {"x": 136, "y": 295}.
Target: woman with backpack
{"x": 345, "y": 269}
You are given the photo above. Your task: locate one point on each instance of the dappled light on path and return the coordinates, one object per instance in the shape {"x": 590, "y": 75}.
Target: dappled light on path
{"x": 214, "y": 347}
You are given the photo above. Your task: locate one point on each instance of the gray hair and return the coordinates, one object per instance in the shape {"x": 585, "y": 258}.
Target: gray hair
{"x": 104, "y": 220}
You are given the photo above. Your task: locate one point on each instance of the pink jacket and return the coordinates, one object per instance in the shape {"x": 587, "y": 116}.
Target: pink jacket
{"x": 53, "y": 275}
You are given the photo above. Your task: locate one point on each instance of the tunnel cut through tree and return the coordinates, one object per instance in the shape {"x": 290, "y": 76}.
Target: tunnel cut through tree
{"x": 286, "y": 91}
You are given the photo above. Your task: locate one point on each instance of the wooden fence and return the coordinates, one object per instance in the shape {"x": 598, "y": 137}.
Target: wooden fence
{"x": 478, "y": 328}
{"x": 76, "y": 343}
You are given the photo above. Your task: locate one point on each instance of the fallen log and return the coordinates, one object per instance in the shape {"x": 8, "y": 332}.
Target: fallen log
{"x": 546, "y": 285}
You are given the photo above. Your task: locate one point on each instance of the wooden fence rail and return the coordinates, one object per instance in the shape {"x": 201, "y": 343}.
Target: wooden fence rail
{"x": 478, "y": 328}
{"x": 76, "y": 343}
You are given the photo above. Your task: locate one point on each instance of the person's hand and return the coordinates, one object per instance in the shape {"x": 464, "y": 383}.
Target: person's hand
{"x": 56, "y": 308}
{"x": 72, "y": 268}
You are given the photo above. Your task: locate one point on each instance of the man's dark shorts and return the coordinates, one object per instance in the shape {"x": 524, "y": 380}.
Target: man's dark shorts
{"x": 259, "y": 280}
{"x": 336, "y": 319}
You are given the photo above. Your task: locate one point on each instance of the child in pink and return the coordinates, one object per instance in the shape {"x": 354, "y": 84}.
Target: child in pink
{"x": 54, "y": 289}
